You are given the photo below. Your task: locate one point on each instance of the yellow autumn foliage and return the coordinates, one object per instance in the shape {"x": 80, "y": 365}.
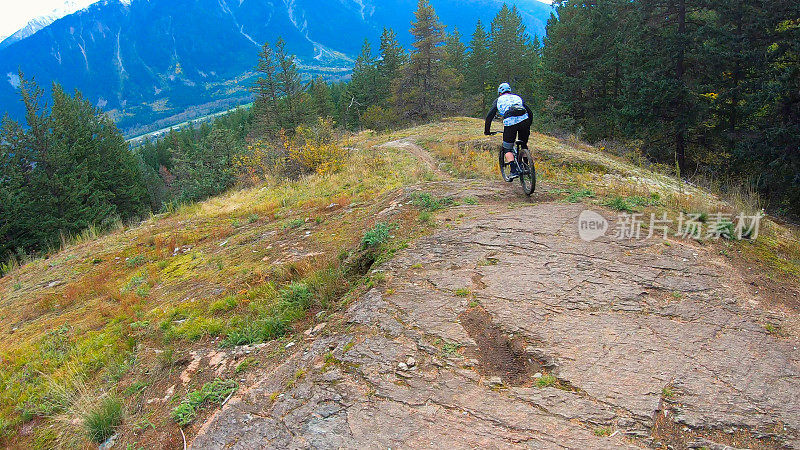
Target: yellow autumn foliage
{"x": 317, "y": 148}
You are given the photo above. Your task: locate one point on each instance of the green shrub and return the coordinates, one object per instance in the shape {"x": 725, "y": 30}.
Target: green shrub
{"x": 212, "y": 392}
{"x": 101, "y": 422}
{"x": 619, "y": 204}
{"x": 256, "y": 331}
{"x": 136, "y": 261}
{"x": 546, "y": 380}
{"x": 294, "y": 224}
{"x": 223, "y": 305}
{"x": 577, "y": 196}
{"x": 428, "y": 202}
{"x": 377, "y": 236}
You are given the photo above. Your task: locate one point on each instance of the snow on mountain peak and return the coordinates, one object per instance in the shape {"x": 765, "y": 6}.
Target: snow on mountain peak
{"x": 42, "y": 17}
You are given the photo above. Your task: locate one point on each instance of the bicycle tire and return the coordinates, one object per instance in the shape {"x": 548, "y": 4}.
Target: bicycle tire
{"x": 528, "y": 177}
{"x": 504, "y": 168}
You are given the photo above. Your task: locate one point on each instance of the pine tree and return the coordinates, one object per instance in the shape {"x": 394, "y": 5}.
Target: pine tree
{"x": 365, "y": 83}
{"x": 290, "y": 87}
{"x": 321, "y": 97}
{"x": 16, "y": 168}
{"x": 478, "y": 72}
{"x": 418, "y": 95}
{"x": 455, "y": 52}
{"x": 70, "y": 169}
{"x": 266, "y": 91}
{"x": 393, "y": 57}
{"x": 510, "y": 46}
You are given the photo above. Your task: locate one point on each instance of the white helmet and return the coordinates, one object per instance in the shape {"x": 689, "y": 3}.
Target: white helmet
{"x": 504, "y": 88}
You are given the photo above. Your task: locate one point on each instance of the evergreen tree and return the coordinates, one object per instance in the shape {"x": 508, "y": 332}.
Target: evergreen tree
{"x": 16, "y": 169}
{"x": 393, "y": 57}
{"x": 70, "y": 169}
{"x": 290, "y": 87}
{"x": 478, "y": 73}
{"x": 266, "y": 91}
{"x": 321, "y": 97}
{"x": 418, "y": 95}
{"x": 455, "y": 66}
{"x": 205, "y": 168}
{"x": 455, "y": 52}
{"x": 365, "y": 83}
{"x": 510, "y": 47}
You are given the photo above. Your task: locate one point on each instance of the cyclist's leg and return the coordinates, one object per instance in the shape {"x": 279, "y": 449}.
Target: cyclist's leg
{"x": 509, "y": 138}
{"x": 525, "y": 132}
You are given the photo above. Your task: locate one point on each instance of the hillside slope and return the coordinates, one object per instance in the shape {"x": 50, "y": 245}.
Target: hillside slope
{"x": 422, "y": 301}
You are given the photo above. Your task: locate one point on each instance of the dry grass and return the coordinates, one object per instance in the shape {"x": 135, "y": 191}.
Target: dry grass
{"x": 78, "y": 317}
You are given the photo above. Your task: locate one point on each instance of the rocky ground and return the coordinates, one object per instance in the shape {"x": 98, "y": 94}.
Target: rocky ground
{"x": 503, "y": 329}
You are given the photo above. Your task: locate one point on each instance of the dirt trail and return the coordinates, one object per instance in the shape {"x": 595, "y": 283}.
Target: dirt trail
{"x": 633, "y": 343}
{"x": 420, "y": 153}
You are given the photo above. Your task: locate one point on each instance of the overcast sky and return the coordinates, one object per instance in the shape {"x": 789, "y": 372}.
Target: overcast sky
{"x": 16, "y": 13}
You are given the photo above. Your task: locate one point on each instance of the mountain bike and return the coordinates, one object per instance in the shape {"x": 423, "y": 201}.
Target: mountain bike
{"x": 525, "y": 165}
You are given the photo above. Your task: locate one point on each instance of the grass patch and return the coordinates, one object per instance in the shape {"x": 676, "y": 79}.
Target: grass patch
{"x": 102, "y": 422}
{"x": 470, "y": 201}
{"x": 244, "y": 365}
{"x": 274, "y": 317}
{"x": 602, "y": 432}
{"x": 450, "y": 349}
{"x": 773, "y": 329}
{"x": 214, "y": 392}
{"x": 579, "y": 195}
{"x": 426, "y": 218}
{"x": 136, "y": 261}
{"x": 546, "y": 380}
{"x": 427, "y": 202}
{"x": 377, "y": 236}
{"x": 462, "y": 292}
{"x": 618, "y": 203}
{"x": 223, "y": 305}
{"x": 294, "y": 224}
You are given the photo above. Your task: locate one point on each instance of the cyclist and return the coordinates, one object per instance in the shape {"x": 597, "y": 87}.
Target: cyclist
{"x": 517, "y": 118}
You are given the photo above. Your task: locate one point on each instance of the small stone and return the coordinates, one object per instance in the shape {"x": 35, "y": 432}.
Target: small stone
{"x": 403, "y": 374}
{"x": 493, "y": 381}
{"x": 402, "y": 366}
{"x": 411, "y": 362}
{"x": 290, "y": 344}
{"x": 537, "y": 375}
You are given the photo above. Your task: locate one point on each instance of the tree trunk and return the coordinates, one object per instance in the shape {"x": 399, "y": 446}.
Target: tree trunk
{"x": 680, "y": 131}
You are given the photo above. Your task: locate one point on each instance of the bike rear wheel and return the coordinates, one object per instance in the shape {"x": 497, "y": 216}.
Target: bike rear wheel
{"x": 528, "y": 176}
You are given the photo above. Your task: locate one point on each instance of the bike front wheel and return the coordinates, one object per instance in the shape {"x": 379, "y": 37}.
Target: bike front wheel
{"x": 528, "y": 176}
{"x": 505, "y": 169}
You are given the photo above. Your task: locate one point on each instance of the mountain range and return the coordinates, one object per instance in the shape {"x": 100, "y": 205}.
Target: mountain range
{"x": 157, "y": 61}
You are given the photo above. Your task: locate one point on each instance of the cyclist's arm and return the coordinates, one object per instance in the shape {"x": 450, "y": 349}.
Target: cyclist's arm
{"x": 490, "y": 117}
{"x": 530, "y": 113}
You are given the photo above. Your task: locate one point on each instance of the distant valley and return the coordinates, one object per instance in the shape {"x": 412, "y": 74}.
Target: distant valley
{"x": 152, "y": 63}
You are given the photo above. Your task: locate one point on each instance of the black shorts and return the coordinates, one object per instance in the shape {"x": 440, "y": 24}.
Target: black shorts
{"x": 521, "y": 131}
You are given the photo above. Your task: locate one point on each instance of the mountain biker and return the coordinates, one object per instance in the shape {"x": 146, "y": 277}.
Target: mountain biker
{"x": 517, "y": 118}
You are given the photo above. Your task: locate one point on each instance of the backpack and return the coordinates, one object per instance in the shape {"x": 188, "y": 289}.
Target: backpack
{"x": 511, "y": 105}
